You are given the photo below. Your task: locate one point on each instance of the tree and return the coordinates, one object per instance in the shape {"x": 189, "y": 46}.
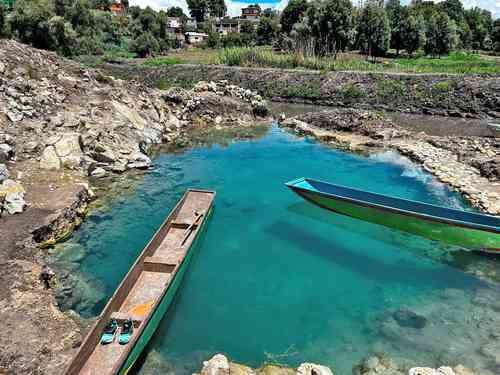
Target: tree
{"x": 197, "y": 9}
{"x": 440, "y": 35}
{"x": 80, "y": 16}
{"x": 266, "y": 31}
{"x": 2, "y": 20}
{"x": 292, "y": 14}
{"x": 397, "y": 15}
{"x": 247, "y": 27}
{"x": 145, "y": 45}
{"x": 217, "y": 8}
{"x": 101, "y": 4}
{"x": 480, "y": 23}
{"x": 125, "y": 4}
{"x": 176, "y": 12}
{"x": 495, "y": 35}
{"x": 63, "y": 36}
{"x": 374, "y": 29}
{"x": 413, "y": 33}
{"x": 61, "y": 7}
{"x": 29, "y": 22}
{"x": 454, "y": 9}
{"x": 331, "y": 24}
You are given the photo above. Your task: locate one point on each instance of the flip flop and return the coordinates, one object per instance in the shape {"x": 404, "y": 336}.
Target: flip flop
{"x": 108, "y": 334}
{"x": 126, "y": 332}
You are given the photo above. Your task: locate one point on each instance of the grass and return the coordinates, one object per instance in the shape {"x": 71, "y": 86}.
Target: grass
{"x": 164, "y": 60}
{"x": 457, "y": 62}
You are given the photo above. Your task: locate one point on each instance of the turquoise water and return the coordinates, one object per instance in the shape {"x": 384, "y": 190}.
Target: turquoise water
{"x": 274, "y": 278}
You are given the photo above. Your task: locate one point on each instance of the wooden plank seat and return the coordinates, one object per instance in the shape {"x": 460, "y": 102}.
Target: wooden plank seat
{"x": 181, "y": 224}
{"x": 121, "y": 317}
{"x": 159, "y": 264}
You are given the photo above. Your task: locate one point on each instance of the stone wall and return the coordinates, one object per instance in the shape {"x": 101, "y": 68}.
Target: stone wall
{"x": 475, "y": 96}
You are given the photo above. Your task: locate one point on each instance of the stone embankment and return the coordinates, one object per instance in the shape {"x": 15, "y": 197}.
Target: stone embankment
{"x": 62, "y": 127}
{"x": 469, "y": 165}
{"x": 475, "y": 96}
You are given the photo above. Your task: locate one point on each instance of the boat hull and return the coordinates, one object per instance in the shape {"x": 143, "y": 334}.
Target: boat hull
{"x": 469, "y": 238}
{"x": 163, "y": 306}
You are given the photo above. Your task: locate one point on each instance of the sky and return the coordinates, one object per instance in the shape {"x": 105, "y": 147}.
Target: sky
{"x": 234, "y": 7}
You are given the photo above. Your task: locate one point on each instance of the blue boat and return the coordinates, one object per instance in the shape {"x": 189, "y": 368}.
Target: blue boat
{"x": 469, "y": 230}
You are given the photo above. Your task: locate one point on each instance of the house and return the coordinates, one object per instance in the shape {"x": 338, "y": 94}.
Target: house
{"x": 117, "y": 8}
{"x": 195, "y": 38}
{"x": 191, "y": 24}
{"x": 227, "y": 25}
{"x": 251, "y": 13}
{"x": 174, "y": 25}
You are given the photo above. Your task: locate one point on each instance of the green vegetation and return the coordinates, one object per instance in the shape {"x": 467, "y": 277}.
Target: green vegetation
{"x": 158, "y": 61}
{"x": 455, "y": 63}
{"x": 390, "y": 89}
{"x": 351, "y": 92}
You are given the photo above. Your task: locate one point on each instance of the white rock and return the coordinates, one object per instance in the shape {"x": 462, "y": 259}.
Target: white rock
{"x": 422, "y": 371}
{"x": 49, "y": 159}
{"x": 217, "y": 365}
{"x": 98, "y": 172}
{"x": 4, "y": 172}
{"x": 313, "y": 369}
{"x": 445, "y": 370}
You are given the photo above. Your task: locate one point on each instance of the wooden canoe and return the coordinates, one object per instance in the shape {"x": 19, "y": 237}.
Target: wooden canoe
{"x": 495, "y": 129}
{"x": 469, "y": 230}
{"x": 147, "y": 290}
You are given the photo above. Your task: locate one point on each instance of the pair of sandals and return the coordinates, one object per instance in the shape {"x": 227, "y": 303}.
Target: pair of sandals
{"x": 109, "y": 333}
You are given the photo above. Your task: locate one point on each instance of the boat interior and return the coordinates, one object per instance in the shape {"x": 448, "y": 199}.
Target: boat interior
{"x": 143, "y": 287}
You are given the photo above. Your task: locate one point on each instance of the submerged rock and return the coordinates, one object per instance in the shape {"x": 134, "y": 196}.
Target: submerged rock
{"x": 313, "y": 369}
{"x": 4, "y": 173}
{"x": 409, "y": 319}
{"x": 217, "y": 365}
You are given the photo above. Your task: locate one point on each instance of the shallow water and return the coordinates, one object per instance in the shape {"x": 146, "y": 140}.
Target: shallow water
{"x": 275, "y": 278}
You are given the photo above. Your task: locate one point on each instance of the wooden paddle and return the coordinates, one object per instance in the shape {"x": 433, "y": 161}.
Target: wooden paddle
{"x": 190, "y": 229}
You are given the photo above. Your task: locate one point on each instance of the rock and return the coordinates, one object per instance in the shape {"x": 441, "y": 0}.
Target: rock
{"x": 422, "y": 371}
{"x": 49, "y": 159}
{"x": 131, "y": 115}
{"x": 444, "y": 370}
{"x": 238, "y": 369}
{"x": 13, "y": 197}
{"x": 313, "y": 369}
{"x": 69, "y": 151}
{"x": 139, "y": 161}
{"x": 409, "y": 319}
{"x": 6, "y": 152}
{"x": 98, "y": 172}
{"x": 371, "y": 363}
{"x": 275, "y": 370}
{"x": 217, "y": 365}
{"x": 461, "y": 370}
{"x": 4, "y": 173}
{"x": 31, "y": 147}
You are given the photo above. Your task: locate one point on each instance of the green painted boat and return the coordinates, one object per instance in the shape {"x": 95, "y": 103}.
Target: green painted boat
{"x": 468, "y": 230}
{"x": 148, "y": 289}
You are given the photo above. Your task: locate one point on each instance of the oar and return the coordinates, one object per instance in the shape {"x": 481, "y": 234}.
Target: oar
{"x": 189, "y": 230}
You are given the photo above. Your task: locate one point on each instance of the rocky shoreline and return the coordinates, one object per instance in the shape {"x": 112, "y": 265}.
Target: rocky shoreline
{"x": 62, "y": 129}
{"x": 469, "y": 165}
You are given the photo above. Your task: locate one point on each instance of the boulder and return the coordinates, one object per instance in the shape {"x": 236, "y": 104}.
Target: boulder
{"x": 275, "y": 370}
{"x": 6, "y": 152}
{"x": 131, "y": 115}
{"x": 422, "y": 371}
{"x": 69, "y": 151}
{"x": 139, "y": 161}
{"x": 49, "y": 159}
{"x": 4, "y": 173}
{"x": 217, "y": 365}
{"x": 409, "y": 319}
{"x": 461, "y": 370}
{"x": 237, "y": 369}
{"x": 12, "y": 194}
{"x": 98, "y": 172}
{"x": 313, "y": 369}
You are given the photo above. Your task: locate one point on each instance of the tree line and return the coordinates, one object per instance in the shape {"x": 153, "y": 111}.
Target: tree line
{"x": 87, "y": 27}
{"x": 325, "y": 27}
{"x": 312, "y": 28}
